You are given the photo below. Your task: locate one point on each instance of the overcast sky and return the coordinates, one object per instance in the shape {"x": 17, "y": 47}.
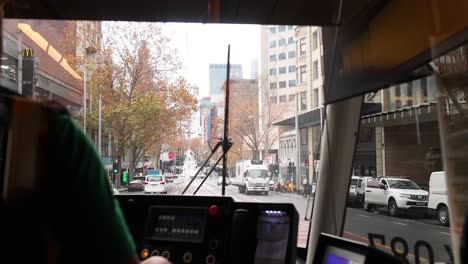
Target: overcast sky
{"x": 199, "y": 45}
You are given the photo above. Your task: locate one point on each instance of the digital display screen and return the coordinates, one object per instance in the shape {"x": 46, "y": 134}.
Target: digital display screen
{"x": 176, "y": 224}
{"x": 272, "y": 237}
{"x": 335, "y": 255}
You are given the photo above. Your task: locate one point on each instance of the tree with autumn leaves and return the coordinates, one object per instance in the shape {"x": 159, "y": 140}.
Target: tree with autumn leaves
{"x": 146, "y": 104}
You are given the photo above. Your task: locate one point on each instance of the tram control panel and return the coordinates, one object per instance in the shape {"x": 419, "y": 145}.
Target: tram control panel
{"x": 188, "y": 229}
{"x": 337, "y": 250}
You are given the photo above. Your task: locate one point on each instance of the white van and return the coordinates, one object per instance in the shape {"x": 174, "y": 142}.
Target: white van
{"x": 438, "y": 201}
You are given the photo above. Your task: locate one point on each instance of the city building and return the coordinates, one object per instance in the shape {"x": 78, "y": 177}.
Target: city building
{"x": 310, "y": 110}
{"x": 205, "y": 108}
{"x": 53, "y": 77}
{"x": 254, "y": 69}
{"x": 406, "y": 133}
{"x": 217, "y": 77}
{"x": 277, "y": 82}
{"x": 244, "y": 119}
{"x": 308, "y": 100}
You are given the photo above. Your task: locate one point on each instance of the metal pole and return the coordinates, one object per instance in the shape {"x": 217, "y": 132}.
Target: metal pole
{"x": 226, "y": 123}
{"x": 416, "y": 116}
{"x": 99, "y": 125}
{"x": 85, "y": 80}
{"x": 298, "y": 144}
{"x": 337, "y": 146}
{"x": 20, "y": 63}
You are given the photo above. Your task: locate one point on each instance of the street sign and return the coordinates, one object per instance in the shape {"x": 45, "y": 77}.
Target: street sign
{"x": 172, "y": 155}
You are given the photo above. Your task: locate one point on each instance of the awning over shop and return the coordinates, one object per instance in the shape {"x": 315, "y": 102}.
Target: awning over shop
{"x": 404, "y": 116}
{"x": 312, "y": 118}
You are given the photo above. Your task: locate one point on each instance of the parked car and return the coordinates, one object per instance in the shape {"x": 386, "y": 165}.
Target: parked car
{"x": 155, "y": 184}
{"x": 361, "y": 186}
{"x": 137, "y": 184}
{"x": 396, "y": 194}
{"x": 353, "y": 196}
{"x": 271, "y": 183}
{"x": 169, "y": 176}
{"x": 438, "y": 201}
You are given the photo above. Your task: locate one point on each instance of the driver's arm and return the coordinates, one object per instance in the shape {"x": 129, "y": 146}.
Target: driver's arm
{"x": 86, "y": 221}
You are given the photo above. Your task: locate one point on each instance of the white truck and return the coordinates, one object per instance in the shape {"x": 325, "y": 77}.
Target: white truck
{"x": 252, "y": 176}
{"x": 396, "y": 194}
{"x": 438, "y": 200}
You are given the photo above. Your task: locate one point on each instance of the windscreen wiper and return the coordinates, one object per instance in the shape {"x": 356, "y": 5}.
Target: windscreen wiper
{"x": 212, "y": 168}
{"x": 220, "y": 143}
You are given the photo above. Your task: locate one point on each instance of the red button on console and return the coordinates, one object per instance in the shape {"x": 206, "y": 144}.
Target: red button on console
{"x": 213, "y": 210}
{"x": 210, "y": 259}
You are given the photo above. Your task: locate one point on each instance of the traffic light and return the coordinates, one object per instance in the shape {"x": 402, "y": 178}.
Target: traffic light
{"x": 276, "y": 169}
{"x": 115, "y": 167}
{"x": 125, "y": 176}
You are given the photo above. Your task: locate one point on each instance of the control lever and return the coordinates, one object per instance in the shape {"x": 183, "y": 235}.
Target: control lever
{"x": 239, "y": 237}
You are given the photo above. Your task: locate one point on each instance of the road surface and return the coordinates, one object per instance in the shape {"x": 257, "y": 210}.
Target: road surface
{"x": 358, "y": 223}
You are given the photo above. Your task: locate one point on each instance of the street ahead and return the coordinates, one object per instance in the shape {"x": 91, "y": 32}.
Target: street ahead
{"x": 358, "y": 222}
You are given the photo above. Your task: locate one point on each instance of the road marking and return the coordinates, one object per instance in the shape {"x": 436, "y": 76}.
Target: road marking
{"x": 257, "y": 200}
{"x": 400, "y": 223}
{"x": 363, "y": 215}
{"x": 410, "y": 220}
{"x": 381, "y": 245}
{"x": 445, "y": 233}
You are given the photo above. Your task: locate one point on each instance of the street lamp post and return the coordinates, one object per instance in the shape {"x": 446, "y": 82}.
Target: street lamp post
{"x": 85, "y": 80}
{"x": 99, "y": 123}
{"x": 298, "y": 143}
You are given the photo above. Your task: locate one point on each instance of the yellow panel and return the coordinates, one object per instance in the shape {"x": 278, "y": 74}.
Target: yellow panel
{"x": 403, "y": 30}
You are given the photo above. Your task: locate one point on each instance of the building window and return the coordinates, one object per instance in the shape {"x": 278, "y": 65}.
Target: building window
{"x": 273, "y": 71}
{"x": 272, "y": 30}
{"x": 283, "y": 99}
{"x": 273, "y": 99}
{"x": 273, "y": 85}
{"x": 315, "y": 40}
{"x": 282, "y": 84}
{"x": 409, "y": 102}
{"x": 302, "y": 46}
{"x": 292, "y": 54}
{"x": 291, "y": 40}
{"x": 282, "y": 56}
{"x": 292, "y": 68}
{"x": 315, "y": 70}
{"x": 291, "y": 97}
{"x": 282, "y": 42}
{"x": 424, "y": 87}
{"x": 397, "y": 90}
{"x": 303, "y": 101}
{"x": 292, "y": 83}
{"x": 290, "y": 27}
{"x": 303, "y": 136}
{"x": 272, "y": 58}
{"x": 409, "y": 92}
{"x": 272, "y": 43}
{"x": 281, "y": 28}
{"x": 302, "y": 74}
{"x": 282, "y": 70}
{"x": 321, "y": 62}
{"x": 316, "y": 98}
{"x": 397, "y": 104}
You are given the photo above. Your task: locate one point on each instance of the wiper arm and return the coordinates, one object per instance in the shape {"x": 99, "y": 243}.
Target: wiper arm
{"x": 216, "y": 164}
{"x": 201, "y": 167}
